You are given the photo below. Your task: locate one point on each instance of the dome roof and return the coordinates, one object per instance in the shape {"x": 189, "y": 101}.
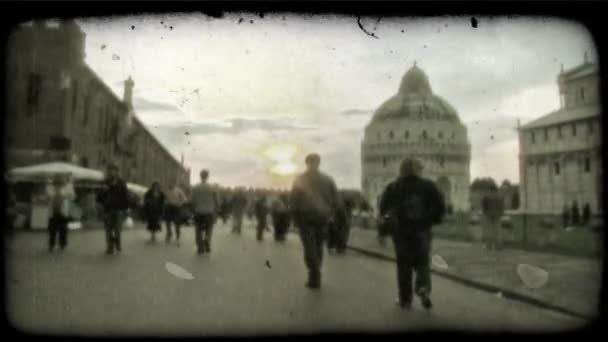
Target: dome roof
{"x": 415, "y": 100}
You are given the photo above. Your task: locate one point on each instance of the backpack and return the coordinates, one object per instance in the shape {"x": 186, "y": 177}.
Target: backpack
{"x": 413, "y": 207}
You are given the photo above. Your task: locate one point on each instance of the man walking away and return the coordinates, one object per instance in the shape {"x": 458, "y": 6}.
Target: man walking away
{"x": 314, "y": 201}
{"x": 239, "y": 204}
{"x": 412, "y": 205}
{"x": 206, "y": 205}
{"x": 492, "y": 206}
{"x": 176, "y": 199}
{"x": 261, "y": 214}
{"x": 115, "y": 201}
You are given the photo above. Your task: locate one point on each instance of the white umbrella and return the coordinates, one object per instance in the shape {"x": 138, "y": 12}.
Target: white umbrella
{"x": 46, "y": 170}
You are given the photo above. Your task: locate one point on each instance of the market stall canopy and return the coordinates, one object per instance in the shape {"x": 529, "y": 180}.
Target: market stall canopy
{"x": 42, "y": 172}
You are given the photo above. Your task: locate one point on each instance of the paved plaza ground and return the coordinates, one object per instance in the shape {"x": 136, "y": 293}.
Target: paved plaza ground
{"x": 243, "y": 287}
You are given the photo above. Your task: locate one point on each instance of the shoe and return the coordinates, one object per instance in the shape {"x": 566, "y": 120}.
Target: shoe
{"x": 403, "y": 304}
{"x": 312, "y": 285}
{"x": 426, "y": 301}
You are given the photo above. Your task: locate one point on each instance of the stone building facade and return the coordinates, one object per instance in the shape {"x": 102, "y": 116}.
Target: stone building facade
{"x": 415, "y": 122}
{"x": 59, "y": 109}
{"x": 560, "y": 153}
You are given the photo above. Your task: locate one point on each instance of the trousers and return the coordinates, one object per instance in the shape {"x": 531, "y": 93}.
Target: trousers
{"x": 412, "y": 251}
{"x": 113, "y": 227}
{"x": 203, "y": 231}
{"x": 313, "y": 232}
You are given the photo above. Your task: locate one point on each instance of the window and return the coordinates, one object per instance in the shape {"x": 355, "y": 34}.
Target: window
{"x": 33, "y": 91}
{"x": 391, "y": 135}
{"x": 74, "y": 98}
{"x": 590, "y": 127}
{"x": 587, "y": 165}
{"x": 557, "y": 169}
{"x": 574, "y": 129}
{"x": 582, "y": 93}
{"x": 407, "y": 134}
{"x": 423, "y": 134}
{"x": 532, "y": 137}
{"x": 85, "y": 116}
{"x": 384, "y": 161}
{"x": 441, "y": 161}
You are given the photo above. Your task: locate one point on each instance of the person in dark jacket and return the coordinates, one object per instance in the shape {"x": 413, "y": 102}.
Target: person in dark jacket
{"x": 239, "y": 204}
{"x": 314, "y": 200}
{"x": 261, "y": 214}
{"x": 115, "y": 202}
{"x": 154, "y": 203}
{"x": 280, "y": 217}
{"x": 344, "y": 222}
{"x": 412, "y": 205}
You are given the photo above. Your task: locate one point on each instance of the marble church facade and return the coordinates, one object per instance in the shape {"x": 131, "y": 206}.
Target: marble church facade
{"x": 417, "y": 123}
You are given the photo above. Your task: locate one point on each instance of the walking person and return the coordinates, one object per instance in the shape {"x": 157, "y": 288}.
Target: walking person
{"x": 492, "y": 205}
{"x": 205, "y": 203}
{"x": 61, "y": 194}
{"x": 114, "y": 199}
{"x": 411, "y": 205}
{"x": 280, "y": 217}
{"x": 239, "y": 204}
{"x": 175, "y": 201}
{"x": 261, "y": 214}
{"x": 154, "y": 202}
{"x": 344, "y": 222}
{"x": 314, "y": 198}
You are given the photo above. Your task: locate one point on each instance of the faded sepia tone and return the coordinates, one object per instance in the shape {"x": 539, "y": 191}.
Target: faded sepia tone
{"x": 182, "y": 175}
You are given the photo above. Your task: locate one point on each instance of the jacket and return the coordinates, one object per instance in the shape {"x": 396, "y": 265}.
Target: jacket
{"x": 392, "y": 208}
{"x": 114, "y": 196}
{"x": 314, "y": 194}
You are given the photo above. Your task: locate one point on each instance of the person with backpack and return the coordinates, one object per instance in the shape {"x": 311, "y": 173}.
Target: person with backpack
{"x": 409, "y": 207}
{"x": 314, "y": 199}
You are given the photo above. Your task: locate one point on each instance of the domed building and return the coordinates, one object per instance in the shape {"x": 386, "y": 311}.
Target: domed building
{"x": 417, "y": 123}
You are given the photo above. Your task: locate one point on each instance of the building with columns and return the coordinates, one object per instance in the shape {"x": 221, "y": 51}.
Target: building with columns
{"x": 58, "y": 109}
{"x": 417, "y": 123}
{"x": 560, "y": 152}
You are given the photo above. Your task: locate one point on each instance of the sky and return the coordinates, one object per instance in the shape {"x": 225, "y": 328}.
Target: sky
{"x": 248, "y": 97}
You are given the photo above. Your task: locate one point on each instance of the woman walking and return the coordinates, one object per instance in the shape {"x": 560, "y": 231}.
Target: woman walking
{"x": 154, "y": 202}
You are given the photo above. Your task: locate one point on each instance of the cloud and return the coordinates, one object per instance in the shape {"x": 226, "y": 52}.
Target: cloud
{"x": 143, "y": 104}
{"x": 234, "y": 126}
{"x": 351, "y": 112}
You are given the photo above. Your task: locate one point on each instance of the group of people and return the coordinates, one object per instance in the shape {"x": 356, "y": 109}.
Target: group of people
{"x": 409, "y": 207}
